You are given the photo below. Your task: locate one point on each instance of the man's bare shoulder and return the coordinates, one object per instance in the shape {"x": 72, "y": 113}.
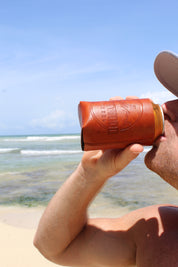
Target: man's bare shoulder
{"x": 153, "y": 230}
{"x": 156, "y": 236}
{"x": 147, "y": 237}
{"x": 163, "y": 214}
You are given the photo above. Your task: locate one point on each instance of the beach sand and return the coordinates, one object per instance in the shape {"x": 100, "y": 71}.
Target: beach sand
{"x": 17, "y": 230}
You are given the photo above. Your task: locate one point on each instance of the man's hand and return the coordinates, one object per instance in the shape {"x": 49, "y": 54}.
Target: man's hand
{"x": 104, "y": 164}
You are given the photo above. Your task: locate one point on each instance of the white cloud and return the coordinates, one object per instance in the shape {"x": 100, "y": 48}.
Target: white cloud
{"x": 159, "y": 97}
{"x": 55, "y": 119}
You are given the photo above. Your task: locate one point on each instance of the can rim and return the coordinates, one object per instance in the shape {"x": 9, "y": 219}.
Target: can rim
{"x": 162, "y": 113}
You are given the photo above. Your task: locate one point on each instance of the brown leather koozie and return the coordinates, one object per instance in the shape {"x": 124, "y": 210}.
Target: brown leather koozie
{"x": 118, "y": 123}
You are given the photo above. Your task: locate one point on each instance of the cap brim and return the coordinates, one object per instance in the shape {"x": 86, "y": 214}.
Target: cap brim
{"x": 166, "y": 70}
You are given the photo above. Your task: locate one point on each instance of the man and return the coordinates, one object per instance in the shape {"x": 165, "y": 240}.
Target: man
{"x": 147, "y": 237}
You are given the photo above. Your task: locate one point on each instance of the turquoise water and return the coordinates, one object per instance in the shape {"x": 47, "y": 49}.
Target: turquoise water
{"x": 18, "y": 153}
{"x": 32, "y": 168}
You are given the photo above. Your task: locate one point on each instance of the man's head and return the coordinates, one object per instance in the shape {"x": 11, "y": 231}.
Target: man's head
{"x": 163, "y": 157}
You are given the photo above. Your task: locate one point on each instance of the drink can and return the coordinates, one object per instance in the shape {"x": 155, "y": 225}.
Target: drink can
{"x": 119, "y": 123}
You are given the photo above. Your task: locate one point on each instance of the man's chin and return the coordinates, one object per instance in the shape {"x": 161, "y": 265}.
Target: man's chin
{"x": 154, "y": 162}
{"x": 149, "y": 158}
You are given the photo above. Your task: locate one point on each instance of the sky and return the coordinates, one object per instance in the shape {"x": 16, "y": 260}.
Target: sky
{"x": 56, "y": 53}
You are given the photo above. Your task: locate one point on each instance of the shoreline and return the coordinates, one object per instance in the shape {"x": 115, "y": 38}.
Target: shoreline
{"x": 28, "y": 217}
{"x": 21, "y": 217}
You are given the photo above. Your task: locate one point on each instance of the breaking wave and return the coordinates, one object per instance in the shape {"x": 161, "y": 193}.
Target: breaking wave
{"x": 9, "y": 150}
{"x": 42, "y": 138}
{"x": 48, "y": 152}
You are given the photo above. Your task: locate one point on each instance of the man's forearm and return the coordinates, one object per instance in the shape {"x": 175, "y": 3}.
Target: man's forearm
{"x": 66, "y": 213}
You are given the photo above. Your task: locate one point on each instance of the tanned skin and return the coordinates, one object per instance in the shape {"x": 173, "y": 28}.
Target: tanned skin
{"x": 146, "y": 237}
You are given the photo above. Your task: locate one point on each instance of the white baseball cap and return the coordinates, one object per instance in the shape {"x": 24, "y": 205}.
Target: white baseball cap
{"x": 166, "y": 70}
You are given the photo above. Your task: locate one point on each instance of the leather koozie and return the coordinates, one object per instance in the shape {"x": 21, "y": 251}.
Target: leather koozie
{"x": 118, "y": 123}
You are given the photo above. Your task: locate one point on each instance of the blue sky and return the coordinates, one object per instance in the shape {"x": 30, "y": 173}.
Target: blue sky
{"x": 55, "y": 53}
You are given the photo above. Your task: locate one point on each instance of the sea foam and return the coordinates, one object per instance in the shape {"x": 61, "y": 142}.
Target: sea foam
{"x": 9, "y": 150}
{"x": 42, "y": 138}
{"x": 48, "y": 152}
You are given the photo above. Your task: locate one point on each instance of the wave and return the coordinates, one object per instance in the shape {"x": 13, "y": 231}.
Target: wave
{"x": 42, "y": 138}
{"x": 38, "y": 152}
{"x": 48, "y": 152}
{"x": 9, "y": 150}
{"x": 52, "y": 138}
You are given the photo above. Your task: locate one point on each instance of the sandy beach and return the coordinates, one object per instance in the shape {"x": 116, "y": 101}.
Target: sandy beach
{"x": 17, "y": 229}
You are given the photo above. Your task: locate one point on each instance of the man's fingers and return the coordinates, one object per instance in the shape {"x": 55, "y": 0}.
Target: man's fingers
{"x": 116, "y": 98}
{"x": 136, "y": 148}
{"x": 120, "y": 98}
{"x": 132, "y": 97}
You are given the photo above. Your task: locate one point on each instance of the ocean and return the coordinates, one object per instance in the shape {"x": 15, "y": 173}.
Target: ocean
{"x": 32, "y": 168}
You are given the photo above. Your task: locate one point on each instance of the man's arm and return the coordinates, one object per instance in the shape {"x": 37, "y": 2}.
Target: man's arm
{"x": 65, "y": 235}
